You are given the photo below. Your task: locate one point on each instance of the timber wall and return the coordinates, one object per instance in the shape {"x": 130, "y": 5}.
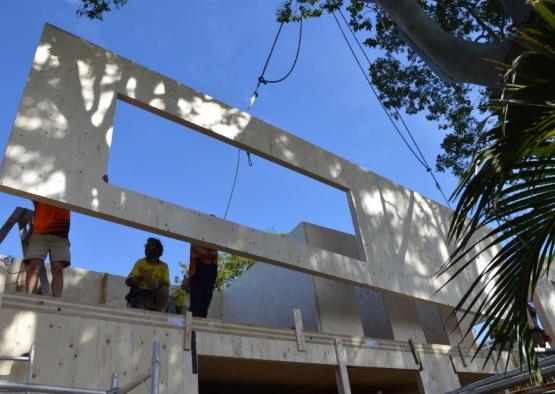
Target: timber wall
{"x": 81, "y": 345}
{"x": 60, "y": 144}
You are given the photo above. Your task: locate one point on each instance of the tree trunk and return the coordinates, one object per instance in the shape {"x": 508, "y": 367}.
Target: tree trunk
{"x": 453, "y": 59}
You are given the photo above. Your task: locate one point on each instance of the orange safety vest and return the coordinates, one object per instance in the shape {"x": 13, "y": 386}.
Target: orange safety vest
{"x": 48, "y": 219}
{"x": 206, "y": 255}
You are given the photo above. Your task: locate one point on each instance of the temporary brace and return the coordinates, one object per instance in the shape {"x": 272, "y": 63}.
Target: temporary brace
{"x": 28, "y": 387}
{"x": 24, "y": 218}
{"x": 461, "y": 354}
{"x": 416, "y": 356}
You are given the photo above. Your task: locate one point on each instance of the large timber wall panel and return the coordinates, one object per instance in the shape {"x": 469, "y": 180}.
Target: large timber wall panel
{"x": 59, "y": 149}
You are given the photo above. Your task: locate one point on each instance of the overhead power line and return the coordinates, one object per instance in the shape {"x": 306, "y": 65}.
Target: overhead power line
{"x": 254, "y": 96}
{"x": 414, "y": 148}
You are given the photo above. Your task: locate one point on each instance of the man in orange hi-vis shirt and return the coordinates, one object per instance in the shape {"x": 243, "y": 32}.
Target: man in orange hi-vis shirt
{"x": 49, "y": 237}
{"x": 203, "y": 269}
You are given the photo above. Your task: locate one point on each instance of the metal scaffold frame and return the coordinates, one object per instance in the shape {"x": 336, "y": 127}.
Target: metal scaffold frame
{"x": 153, "y": 375}
{"x": 506, "y": 380}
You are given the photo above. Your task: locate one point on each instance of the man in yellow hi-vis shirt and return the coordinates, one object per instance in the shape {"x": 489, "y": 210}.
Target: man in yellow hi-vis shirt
{"x": 149, "y": 280}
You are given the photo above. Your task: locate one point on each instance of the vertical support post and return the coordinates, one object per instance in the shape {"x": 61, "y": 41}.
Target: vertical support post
{"x": 341, "y": 374}
{"x": 103, "y": 289}
{"x": 298, "y": 319}
{"x": 415, "y": 355}
{"x": 462, "y": 355}
{"x": 188, "y": 331}
{"x": 30, "y": 366}
{"x": 155, "y": 369}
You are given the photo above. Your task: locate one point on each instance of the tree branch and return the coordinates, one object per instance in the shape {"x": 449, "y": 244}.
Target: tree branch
{"x": 485, "y": 27}
{"x": 452, "y": 58}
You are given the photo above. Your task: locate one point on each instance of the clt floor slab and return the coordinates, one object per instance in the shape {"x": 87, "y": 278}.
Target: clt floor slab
{"x": 81, "y": 345}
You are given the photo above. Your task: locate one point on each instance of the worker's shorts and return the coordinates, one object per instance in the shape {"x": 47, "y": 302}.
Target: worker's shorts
{"x": 41, "y": 245}
{"x": 140, "y": 301}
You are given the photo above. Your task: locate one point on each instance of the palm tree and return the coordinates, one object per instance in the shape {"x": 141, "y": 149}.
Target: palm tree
{"x": 509, "y": 190}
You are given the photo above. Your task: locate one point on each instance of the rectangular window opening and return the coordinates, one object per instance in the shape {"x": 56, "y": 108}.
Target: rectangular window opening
{"x": 169, "y": 161}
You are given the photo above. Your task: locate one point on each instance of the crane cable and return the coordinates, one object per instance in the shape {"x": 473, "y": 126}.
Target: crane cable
{"x": 416, "y": 151}
{"x": 262, "y": 80}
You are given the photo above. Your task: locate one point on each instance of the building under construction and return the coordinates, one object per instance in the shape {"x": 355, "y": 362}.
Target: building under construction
{"x": 321, "y": 312}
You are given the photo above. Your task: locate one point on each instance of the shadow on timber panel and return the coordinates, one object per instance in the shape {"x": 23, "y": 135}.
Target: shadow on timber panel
{"x": 218, "y": 374}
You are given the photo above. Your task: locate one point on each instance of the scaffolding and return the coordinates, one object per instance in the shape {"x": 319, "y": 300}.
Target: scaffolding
{"x": 28, "y": 387}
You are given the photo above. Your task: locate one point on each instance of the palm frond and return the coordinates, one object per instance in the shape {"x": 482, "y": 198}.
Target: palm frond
{"x": 506, "y": 199}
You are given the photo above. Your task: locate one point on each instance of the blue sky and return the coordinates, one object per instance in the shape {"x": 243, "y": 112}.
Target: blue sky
{"x": 219, "y": 48}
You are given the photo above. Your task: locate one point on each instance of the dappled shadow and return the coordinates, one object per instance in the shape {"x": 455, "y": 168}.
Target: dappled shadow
{"x": 59, "y": 152}
{"x": 405, "y": 241}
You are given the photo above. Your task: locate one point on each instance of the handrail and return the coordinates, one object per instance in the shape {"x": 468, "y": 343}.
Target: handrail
{"x": 471, "y": 388}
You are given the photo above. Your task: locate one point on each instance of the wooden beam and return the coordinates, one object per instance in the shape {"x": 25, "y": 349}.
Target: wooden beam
{"x": 341, "y": 374}
{"x": 298, "y": 318}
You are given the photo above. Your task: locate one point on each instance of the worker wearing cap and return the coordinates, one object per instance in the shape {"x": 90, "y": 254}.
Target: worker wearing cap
{"x": 49, "y": 237}
{"x": 203, "y": 269}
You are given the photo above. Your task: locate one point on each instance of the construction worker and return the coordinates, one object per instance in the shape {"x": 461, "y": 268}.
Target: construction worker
{"x": 149, "y": 280}
{"x": 49, "y": 236}
{"x": 182, "y": 296}
{"x": 203, "y": 269}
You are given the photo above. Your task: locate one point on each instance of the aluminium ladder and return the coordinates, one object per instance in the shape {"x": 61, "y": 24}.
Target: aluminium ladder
{"x": 24, "y": 219}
